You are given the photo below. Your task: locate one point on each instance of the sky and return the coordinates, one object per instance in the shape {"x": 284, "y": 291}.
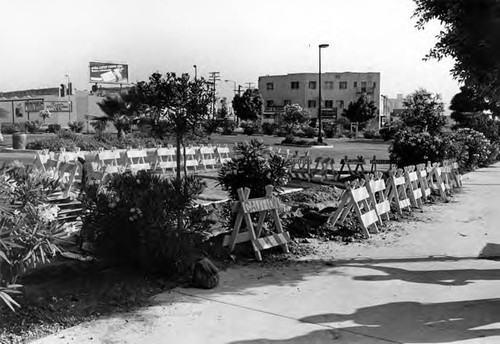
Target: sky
{"x": 42, "y": 41}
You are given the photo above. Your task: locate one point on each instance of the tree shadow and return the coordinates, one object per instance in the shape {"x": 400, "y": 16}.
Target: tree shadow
{"x": 414, "y": 322}
{"x": 458, "y": 277}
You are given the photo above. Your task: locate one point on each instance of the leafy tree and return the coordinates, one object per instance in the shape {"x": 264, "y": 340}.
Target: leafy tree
{"x": 423, "y": 111}
{"x": 361, "y": 111}
{"x": 471, "y": 36}
{"x": 119, "y": 110}
{"x": 173, "y": 105}
{"x": 294, "y": 116}
{"x": 248, "y": 107}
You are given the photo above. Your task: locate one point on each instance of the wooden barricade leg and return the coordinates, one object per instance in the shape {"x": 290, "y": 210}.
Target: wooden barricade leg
{"x": 436, "y": 181}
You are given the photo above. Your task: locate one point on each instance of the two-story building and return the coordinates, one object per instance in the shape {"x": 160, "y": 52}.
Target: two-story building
{"x": 338, "y": 90}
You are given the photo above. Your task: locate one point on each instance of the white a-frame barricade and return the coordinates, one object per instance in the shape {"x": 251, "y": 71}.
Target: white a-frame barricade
{"x": 422, "y": 182}
{"x": 375, "y": 185}
{"x": 435, "y": 180}
{"x": 396, "y": 191}
{"x": 244, "y": 207}
{"x": 356, "y": 198}
{"x": 414, "y": 191}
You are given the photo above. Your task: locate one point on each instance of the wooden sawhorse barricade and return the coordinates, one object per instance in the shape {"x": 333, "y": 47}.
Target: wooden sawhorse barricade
{"x": 244, "y": 207}
{"x": 356, "y": 198}
{"x": 358, "y": 171}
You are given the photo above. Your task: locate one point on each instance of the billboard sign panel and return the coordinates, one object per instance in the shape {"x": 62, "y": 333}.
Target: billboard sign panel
{"x": 58, "y": 106}
{"x": 34, "y": 105}
{"x": 108, "y": 73}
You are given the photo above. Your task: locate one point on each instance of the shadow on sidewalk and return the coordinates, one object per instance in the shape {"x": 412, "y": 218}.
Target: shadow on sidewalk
{"x": 458, "y": 277}
{"x": 404, "y": 322}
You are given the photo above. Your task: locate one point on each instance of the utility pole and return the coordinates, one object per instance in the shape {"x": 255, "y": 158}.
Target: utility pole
{"x": 249, "y": 85}
{"x": 215, "y": 76}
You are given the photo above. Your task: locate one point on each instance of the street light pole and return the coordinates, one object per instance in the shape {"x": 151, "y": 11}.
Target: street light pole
{"x": 320, "y": 137}
{"x": 69, "y": 99}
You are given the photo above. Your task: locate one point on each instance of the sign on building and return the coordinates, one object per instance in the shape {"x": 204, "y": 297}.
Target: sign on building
{"x": 108, "y": 73}
{"x": 34, "y": 105}
{"x": 58, "y": 106}
{"x": 329, "y": 114}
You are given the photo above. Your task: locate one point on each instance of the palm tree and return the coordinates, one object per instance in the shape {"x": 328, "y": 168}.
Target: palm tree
{"x": 117, "y": 110}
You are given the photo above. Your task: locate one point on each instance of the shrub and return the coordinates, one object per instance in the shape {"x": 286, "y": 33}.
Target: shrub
{"x": 10, "y": 128}
{"x": 53, "y": 144}
{"x": 310, "y": 131}
{"x": 29, "y": 230}
{"x": 473, "y": 149}
{"x": 411, "y": 148}
{"x": 228, "y": 127}
{"x": 76, "y": 126}
{"x": 280, "y": 132}
{"x": 370, "y": 134}
{"x": 253, "y": 168}
{"x": 268, "y": 128}
{"x": 329, "y": 130}
{"x": 249, "y": 128}
{"x": 54, "y": 128}
{"x": 134, "y": 220}
{"x": 388, "y": 132}
{"x": 33, "y": 126}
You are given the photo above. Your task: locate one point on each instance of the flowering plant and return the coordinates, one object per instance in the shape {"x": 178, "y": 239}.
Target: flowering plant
{"x": 44, "y": 114}
{"x": 29, "y": 232}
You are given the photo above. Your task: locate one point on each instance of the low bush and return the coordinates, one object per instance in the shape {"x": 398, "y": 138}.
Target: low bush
{"x": 10, "y": 128}
{"x": 253, "y": 167}
{"x": 54, "y": 128}
{"x": 411, "y": 148}
{"x": 310, "y": 132}
{"x": 370, "y": 134}
{"x": 268, "y": 128}
{"x": 76, "y": 126}
{"x": 33, "y": 126}
{"x": 29, "y": 230}
{"x": 136, "y": 221}
{"x": 388, "y": 132}
{"x": 329, "y": 130}
{"x": 280, "y": 132}
{"x": 228, "y": 127}
{"x": 249, "y": 128}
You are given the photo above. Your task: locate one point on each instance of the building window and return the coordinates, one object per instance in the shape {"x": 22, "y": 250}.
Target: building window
{"x": 270, "y": 86}
{"x": 287, "y": 102}
{"x": 363, "y": 86}
{"x": 270, "y": 103}
{"x": 295, "y": 85}
{"x": 311, "y": 103}
{"x": 343, "y": 85}
{"x": 340, "y": 104}
{"x": 355, "y": 84}
{"x": 328, "y": 104}
{"x": 312, "y": 85}
{"x": 337, "y": 76}
{"x": 329, "y": 85}
{"x": 374, "y": 84}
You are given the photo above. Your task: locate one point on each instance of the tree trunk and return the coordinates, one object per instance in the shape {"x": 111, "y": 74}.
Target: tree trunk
{"x": 178, "y": 155}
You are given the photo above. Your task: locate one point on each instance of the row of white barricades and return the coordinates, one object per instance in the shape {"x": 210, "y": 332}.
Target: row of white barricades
{"x": 69, "y": 166}
{"x": 159, "y": 160}
{"x": 370, "y": 200}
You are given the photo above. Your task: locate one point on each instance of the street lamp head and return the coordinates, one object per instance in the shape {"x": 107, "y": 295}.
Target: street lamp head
{"x": 324, "y": 45}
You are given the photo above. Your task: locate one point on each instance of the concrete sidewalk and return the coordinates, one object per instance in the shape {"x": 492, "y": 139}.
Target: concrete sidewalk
{"x": 427, "y": 287}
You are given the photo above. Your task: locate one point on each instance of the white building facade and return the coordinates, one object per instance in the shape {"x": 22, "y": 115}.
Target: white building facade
{"x": 338, "y": 90}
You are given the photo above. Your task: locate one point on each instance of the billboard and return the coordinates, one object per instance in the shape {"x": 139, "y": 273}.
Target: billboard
{"x": 58, "y": 106}
{"x": 108, "y": 73}
{"x": 34, "y": 105}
